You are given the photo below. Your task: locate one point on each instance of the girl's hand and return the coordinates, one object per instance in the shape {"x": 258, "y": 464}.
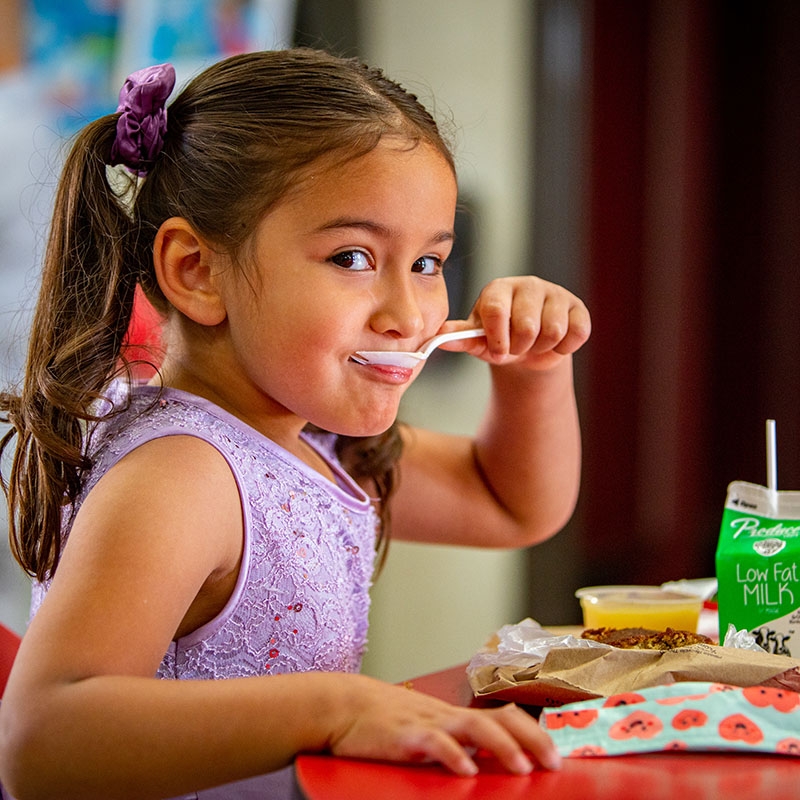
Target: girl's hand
{"x": 398, "y": 724}
{"x": 528, "y": 321}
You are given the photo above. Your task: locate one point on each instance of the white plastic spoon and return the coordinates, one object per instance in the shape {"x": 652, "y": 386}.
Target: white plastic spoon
{"x": 405, "y": 358}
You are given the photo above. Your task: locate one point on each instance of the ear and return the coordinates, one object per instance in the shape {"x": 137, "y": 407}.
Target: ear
{"x": 188, "y": 270}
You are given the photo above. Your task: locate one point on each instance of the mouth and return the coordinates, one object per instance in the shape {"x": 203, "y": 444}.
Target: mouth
{"x": 388, "y": 358}
{"x": 387, "y": 373}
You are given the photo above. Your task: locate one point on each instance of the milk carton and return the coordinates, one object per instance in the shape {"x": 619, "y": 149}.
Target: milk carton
{"x": 758, "y": 566}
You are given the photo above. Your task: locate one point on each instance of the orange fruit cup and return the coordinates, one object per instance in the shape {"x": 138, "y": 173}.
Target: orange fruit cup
{"x": 639, "y": 607}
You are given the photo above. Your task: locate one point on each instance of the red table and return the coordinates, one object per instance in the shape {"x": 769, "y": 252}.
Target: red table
{"x": 694, "y": 776}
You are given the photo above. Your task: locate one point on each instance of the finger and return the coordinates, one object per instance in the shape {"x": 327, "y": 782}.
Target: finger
{"x": 540, "y": 316}
{"x": 529, "y": 735}
{"x": 555, "y": 320}
{"x": 578, "y": 330}
{"x": 494, "y": 308}
{"x": 508, "y": 733}
{"x": 525, "y": 325}
{"x": 434, "y": 744}
{"x": 565, "y": 323}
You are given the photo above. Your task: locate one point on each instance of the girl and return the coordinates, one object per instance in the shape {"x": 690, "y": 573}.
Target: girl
{"x": 289, "y": 209}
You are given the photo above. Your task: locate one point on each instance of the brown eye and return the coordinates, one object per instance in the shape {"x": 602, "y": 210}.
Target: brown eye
{"x": 427, "y": 265}
{"x": 352, "y": 259}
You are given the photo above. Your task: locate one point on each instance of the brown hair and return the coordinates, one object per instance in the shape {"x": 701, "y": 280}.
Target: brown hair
{"x": 238, "y": 136}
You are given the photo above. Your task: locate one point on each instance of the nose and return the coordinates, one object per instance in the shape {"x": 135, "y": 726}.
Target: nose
{"x": 399, "y": 310}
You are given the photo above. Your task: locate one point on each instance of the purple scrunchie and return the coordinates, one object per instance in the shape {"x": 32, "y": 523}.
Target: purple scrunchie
{"x": 143, "y": 122}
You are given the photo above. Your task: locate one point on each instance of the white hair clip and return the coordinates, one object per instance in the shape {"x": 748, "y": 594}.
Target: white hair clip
{"x": 125, "y": 185}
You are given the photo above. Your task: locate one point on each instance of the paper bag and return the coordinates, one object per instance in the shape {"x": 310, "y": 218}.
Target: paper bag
{"x": 533, "y": 667}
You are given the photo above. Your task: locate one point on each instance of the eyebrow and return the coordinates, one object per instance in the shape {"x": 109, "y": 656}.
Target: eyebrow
{"x": 377, "y": 228}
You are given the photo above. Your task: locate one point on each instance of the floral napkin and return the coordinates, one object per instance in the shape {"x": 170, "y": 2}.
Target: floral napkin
{"x": 682, "y": 716}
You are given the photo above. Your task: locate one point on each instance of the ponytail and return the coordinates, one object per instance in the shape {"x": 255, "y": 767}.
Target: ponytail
{"x": 83, "y": 311}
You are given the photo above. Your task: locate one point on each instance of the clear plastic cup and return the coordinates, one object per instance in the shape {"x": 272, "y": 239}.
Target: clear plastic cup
{"x": 639, "y": 607}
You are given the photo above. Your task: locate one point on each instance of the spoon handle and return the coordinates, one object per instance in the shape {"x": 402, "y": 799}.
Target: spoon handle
{"x": 432, "y": 344}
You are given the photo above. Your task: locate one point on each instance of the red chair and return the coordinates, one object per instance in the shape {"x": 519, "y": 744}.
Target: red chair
{"x": 142, "y": 345}
{"x": 9, "y": 644}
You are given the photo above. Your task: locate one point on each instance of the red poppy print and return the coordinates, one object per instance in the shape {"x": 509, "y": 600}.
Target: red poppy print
{"x": 676, "y": 745}
{"x": 572, "y": 719}
{"x": 689, "y": 718}
{"x": 788, "y": 747}
{"x": 737, "y": 727}
{"x": 638, "y": 725}
{"x": 587, "y": 751}
{"x": 780, "y": 699}
{"x": 721, "y": 687}
{"x": 623, "y": 699}
{"x": 674, "y": 701}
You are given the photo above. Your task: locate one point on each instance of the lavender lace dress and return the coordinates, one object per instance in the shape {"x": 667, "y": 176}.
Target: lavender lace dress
{"x": 301, "y": 600}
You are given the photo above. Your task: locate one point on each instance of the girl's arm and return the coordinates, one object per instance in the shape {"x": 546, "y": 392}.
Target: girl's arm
{"x": 153, "y": 553}
{"x": 516, "y": 482}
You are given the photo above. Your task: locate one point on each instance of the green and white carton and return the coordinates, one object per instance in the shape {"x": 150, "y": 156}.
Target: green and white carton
{"x": 758, "y": 566}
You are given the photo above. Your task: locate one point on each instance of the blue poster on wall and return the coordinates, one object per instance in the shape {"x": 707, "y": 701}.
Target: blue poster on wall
{"x": 81, "y": 51}
{"x": 191, "y": 34}
{"x": 71, "y": 50}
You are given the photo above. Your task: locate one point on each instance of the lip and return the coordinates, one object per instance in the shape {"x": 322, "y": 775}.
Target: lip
{"x": 386, "y": 373}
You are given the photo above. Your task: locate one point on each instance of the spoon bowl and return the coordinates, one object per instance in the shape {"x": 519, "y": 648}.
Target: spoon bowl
{"x": 408, "y": 359}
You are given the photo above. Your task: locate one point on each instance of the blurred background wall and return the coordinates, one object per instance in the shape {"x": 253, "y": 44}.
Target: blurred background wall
{"x": 642, "y": 152}
{"x": 691, "y": 194}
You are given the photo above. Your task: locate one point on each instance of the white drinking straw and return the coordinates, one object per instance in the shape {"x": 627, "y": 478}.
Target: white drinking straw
{"x": 772, "y": 458}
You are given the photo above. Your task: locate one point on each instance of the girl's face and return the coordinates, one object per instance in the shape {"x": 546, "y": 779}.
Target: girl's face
{"x": 350, "y": 260}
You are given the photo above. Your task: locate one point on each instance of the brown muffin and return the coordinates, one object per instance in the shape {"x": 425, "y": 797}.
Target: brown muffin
{"x": 644, "y": 638}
